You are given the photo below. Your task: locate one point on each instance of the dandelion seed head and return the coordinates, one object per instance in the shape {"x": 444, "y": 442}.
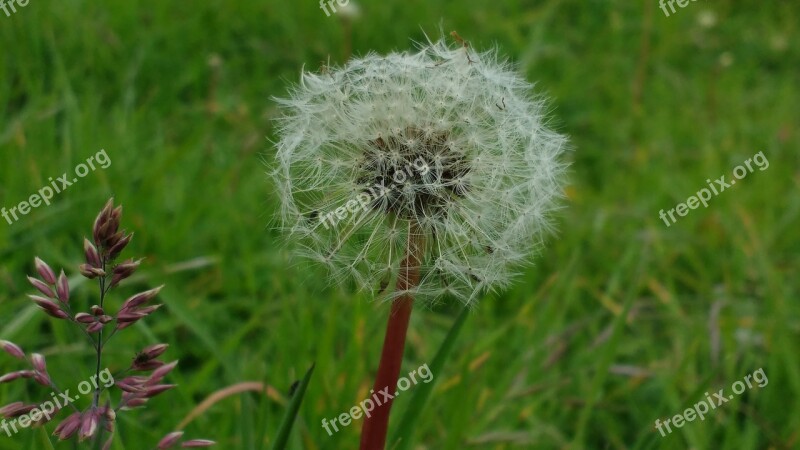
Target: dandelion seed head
{"x": 443, "y": 142}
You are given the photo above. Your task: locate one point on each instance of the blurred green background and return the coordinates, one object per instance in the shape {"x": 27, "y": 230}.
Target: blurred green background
{"x": 622, "y": 321}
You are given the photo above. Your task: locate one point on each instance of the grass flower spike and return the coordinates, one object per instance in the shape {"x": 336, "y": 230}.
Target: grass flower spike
{"x": 444, "y": 148}
{"x": 94, "y": 423}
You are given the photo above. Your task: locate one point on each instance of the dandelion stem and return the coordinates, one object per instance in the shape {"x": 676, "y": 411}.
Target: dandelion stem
{"x": 373, "y": 434}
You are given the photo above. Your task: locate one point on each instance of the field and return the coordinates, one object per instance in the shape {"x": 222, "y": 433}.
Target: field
{"x": 623, "y": 320}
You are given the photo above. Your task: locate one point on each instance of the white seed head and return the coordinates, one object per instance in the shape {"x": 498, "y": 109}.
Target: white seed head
{"x": 445, "y": 142}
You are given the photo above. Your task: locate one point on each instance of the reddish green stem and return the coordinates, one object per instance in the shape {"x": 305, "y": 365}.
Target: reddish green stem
{"x": 373, "y": 434}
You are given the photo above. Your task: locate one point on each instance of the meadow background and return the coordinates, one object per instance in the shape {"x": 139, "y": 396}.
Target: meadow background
{"x": 621, "y": 321}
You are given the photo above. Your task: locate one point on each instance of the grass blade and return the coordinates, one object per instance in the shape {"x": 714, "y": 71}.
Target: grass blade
{"x": 45, "y": 439}
{"x": 403, "y": 437}
{"x": 291, "y": 413}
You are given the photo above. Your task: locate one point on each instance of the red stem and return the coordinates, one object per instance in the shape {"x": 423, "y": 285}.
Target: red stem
{"x": 373, "y": 434}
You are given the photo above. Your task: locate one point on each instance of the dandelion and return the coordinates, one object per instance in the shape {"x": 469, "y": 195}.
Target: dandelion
{"x": 433, "y": 171}
{"x": 457, "y": 143}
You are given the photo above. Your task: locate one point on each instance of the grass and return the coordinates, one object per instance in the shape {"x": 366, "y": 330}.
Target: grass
{"x": 622, "y": 321}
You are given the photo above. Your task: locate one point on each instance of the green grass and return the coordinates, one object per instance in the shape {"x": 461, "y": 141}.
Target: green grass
{"x": 611, "y": 330}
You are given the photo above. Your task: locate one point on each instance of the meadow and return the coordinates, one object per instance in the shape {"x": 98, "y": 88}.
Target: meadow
{"x": 621, "y": 321}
